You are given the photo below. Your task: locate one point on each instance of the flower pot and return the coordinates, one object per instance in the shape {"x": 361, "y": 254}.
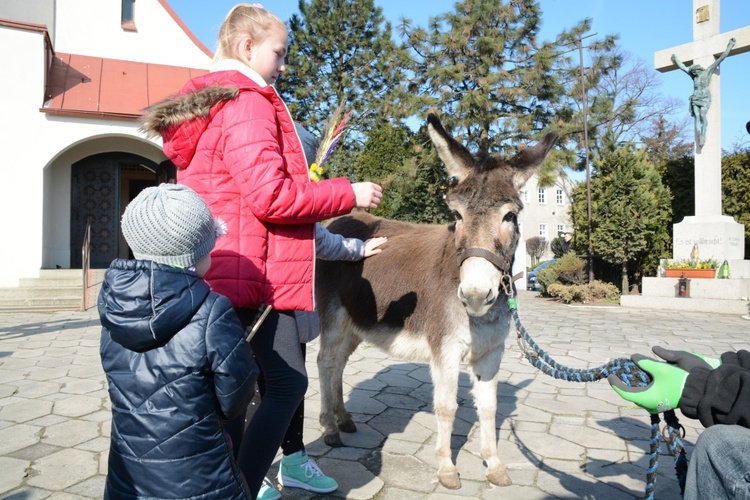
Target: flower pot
{"x": 690, "y": 273}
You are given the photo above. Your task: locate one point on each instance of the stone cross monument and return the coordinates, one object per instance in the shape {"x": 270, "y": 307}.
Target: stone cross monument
{"x": 717, "y": 235}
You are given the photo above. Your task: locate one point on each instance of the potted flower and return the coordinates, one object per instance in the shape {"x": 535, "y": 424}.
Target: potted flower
{"x": 691, "y": 268}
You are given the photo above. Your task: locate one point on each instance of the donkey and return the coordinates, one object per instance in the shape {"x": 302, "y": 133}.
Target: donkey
{"x": 436, "y": 294}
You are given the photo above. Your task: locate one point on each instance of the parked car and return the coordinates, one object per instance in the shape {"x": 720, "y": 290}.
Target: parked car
{"x": 531, "y": 283}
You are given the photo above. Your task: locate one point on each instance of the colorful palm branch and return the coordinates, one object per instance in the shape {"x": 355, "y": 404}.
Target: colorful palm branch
{"x": 334, "y": 131}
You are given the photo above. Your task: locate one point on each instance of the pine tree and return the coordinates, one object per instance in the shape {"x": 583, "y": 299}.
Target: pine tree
{"x": 385, "y": 160}
{"x": 340, "y": 52}
{"x": 481, "y": 66}
{"x": 630, "y": 212}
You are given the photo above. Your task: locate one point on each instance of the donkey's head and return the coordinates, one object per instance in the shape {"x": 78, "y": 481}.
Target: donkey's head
{"x": 485, "y": 203}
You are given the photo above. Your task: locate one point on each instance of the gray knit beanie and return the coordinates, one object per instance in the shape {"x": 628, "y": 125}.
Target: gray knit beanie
{"x": 169, "y": 224}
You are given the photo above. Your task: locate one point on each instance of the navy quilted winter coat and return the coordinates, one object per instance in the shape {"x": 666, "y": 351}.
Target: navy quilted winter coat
{"x": 177, "y": 365}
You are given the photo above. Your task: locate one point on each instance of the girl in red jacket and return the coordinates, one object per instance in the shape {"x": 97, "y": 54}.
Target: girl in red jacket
{"x": 234, "y": 142}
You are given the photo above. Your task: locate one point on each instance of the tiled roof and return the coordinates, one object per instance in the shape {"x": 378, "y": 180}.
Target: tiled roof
{"x": 109, "y": 88}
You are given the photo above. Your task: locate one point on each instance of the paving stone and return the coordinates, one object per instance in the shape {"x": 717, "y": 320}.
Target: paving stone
{"x": 402, "y": 494}
{"x": 54, "y": 374}
{"x": 397, "y": 378}
{"x": 47, "y": 420}
{"x": 404, "y": 472}
{"x": 25, "y": 410}
{"x": 103, "y": 462}
{"x": 100, "y": 444}
{"x": 7, "y": 390}
{"x": 91, "y": 360}
{"x": 87, "y": 371}
{"x": 35, "y": 452}
{"x": 63, "y": 469}
{"x": 60, "y": 351}
{"x": 17, "y": 437}
{"x": 82, "y": 386}
{"x": 365, "y": 437}
{"x": 358, "y": 403}
{"x": 395, "y": 446}
{"x": 13, "y": 473}
{"x": 516, "y": 491}
{"x": 9, "y": 375}
{"x": 18, "y": 364}
{"x": 54, "y": 362}
{"x": 90, "y": 488}
{"x": 56, "y": 397}
{"x": 548, "y": 446}
{"x": 37, "y": 389}
{"x": 26, "y": 493}
{"x": 106, "y": 415}
{"x": 397, "y": 424}
{"x": 76, "y": 406}
{"x": 587, "y": 437}
{"x": 71, "y": 433}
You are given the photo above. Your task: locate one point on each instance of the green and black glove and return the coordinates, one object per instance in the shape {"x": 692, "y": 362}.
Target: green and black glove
{"x": 661, "y": 394}
{"x": 686, "y": 360}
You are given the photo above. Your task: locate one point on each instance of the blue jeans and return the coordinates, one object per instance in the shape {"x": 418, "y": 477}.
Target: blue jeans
{"x": 720, "y": 464}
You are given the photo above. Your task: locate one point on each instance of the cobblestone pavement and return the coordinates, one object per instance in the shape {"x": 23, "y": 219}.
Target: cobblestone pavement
{"x": 558, "y": 439}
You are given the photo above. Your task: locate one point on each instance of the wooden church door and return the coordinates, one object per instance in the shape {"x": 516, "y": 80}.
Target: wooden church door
{"x": 96, "y": 189}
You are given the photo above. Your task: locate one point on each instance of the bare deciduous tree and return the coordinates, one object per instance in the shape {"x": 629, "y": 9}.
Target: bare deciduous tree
{"x": 535, "y": 247}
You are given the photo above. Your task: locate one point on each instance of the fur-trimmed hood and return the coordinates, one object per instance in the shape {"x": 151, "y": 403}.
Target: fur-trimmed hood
{"x": 181, "y": 119}
{"x": 183, "y": 108}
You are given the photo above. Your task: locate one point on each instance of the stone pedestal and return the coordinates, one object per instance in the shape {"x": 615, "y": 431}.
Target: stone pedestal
{"x": 727, "y": 296}
{"x": 717, "y": 237}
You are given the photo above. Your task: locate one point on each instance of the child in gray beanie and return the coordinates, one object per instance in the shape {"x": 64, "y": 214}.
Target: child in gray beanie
{"x": 177, "y": 363}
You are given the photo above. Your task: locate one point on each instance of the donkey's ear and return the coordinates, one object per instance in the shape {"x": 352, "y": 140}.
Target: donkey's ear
{"x": 458, "y": 160}
{"x": 528, "y": 159}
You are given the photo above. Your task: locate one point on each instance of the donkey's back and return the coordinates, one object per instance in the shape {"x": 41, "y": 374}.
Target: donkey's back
{"x": 405, "y": 291}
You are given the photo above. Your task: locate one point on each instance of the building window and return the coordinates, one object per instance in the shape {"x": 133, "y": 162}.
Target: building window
{"x": 542, "y": 196}
{"x": 559, "y": 197}
{"x": 560, "y": 229}
{"x": 128, "y": 15}
{"x": 543, "y": 231}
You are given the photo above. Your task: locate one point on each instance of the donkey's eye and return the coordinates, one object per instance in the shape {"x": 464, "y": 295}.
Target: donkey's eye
{"x": 457, "y": 216}
{"x": 510, "y": 217}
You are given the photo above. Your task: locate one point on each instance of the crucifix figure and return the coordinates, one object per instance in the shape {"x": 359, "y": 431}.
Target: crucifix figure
{"x": 719, "y": 236}
{"x": 700, "y": 101}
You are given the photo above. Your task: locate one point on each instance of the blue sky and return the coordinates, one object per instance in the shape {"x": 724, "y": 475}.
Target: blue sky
{"x": 644, "y": 26}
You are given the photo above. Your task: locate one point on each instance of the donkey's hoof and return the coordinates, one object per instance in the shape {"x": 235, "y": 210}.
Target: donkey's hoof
{"x": 333, "y": 440}
{"x": 499, "y": 476}
{"x": 347, "y": 426}
{"x": 449, "y": 479}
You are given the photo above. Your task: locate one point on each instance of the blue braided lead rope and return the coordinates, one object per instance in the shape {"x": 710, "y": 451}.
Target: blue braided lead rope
{"x": 630, "y": 373}
{"x": 653, "y": 457}
{"x": 674, "y": 440}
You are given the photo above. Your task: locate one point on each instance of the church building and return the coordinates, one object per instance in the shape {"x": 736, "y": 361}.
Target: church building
{"x": 78, "y": 75}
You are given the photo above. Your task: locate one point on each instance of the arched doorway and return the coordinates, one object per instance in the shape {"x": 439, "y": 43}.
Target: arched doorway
{"x": 101, "y": 187}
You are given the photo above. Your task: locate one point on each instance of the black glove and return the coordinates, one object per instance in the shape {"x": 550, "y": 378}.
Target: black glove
{"x": 686, "y": 360}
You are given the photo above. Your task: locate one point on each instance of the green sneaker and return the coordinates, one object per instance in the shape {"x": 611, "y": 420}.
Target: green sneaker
{"x": 267, "y": 491}
{"x": 299, "y": 471}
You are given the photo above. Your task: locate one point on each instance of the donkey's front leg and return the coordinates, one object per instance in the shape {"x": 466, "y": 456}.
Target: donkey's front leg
{"x": 485, "y": 399}
{"x": 445, "y": 387}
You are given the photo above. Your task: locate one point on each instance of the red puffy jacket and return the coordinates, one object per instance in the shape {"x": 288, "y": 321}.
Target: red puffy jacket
{"x": 235, "y": 143}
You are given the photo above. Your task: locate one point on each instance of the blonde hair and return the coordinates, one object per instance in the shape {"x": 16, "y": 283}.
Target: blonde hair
{"x": 244, "y": 20}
